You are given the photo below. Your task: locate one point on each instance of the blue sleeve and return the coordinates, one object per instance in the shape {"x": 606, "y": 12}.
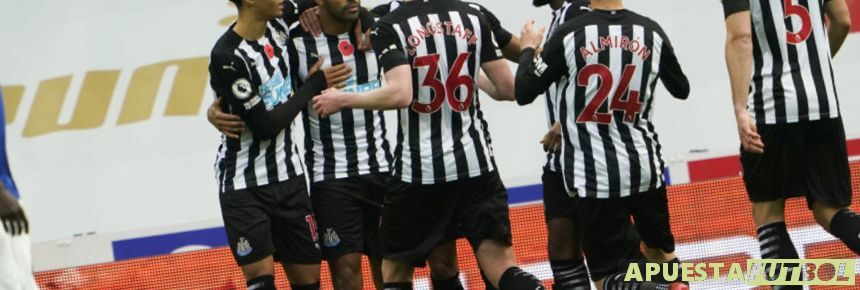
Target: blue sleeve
{"x": 5, "y": 174}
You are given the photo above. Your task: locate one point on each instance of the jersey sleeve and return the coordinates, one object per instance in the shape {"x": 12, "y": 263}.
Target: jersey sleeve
{"x": 500, "y": 34}
{"x": 535, "y": 76}
{"x": 734, "y": 6}
{"x": 231, "y": 79}
{"x": 387, "y": 46}
{"x": 381, "y": 10}
{"x": 367, "y": 18}
{"x": 295, "y": 10}
{"x": 489, "y": 50}
{"x": 577, "y": 8}
{"x": 670, "y": 71}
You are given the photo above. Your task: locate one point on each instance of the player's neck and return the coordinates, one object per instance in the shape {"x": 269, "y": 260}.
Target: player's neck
{"x": 556, "y": 4}
{"x": 331, "y": 25}
{"x": 607, "y": 5}
{"x": 250, "y": 26}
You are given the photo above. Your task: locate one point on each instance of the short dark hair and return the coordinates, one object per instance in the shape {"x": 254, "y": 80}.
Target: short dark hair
{"x": 237, "y": 2}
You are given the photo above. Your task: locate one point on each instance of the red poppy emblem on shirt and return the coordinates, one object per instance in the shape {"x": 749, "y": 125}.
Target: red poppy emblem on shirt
{"x": 346, "y": 48}
{"x": 270, "y": 51}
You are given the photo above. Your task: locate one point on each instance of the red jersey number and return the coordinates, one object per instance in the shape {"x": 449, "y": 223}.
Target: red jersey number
{"x": 446, "y": 91}
{"x": 630, "y": 106}
{"x": 802, "y": 33}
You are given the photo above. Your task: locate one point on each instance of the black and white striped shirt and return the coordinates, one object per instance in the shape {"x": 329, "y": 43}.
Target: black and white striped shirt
{"x": 442, "y": 136}
{"x": 501, "y": 36}
{"x": 607, "y": 64}
{"x": 253, "y": 77}
{"x": 792, "y": 78}
{"x": 351, "y": 142}
{"x": 568, "y": 11}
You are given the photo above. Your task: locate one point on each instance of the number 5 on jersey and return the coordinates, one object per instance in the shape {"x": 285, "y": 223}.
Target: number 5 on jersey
{"x": 630, "y": 106}
{"x": 805, "y": 29}
{"x": 441, "y": 91}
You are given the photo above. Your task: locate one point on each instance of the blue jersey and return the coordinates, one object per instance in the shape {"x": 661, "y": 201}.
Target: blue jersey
{"x": 5, "y": 173}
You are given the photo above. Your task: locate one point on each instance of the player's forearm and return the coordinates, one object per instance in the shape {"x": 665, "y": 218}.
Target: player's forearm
{"x": 739, "y": 52}
{"x": 526, "y": 89}
{"x": 385, "y": 98}
{"x": 486, "y": 85}
{"x": 267, "y": 125}
{"x": 396, "y": 93}
{"x": 673, "y": 77}
{"x": 513, "y": 50}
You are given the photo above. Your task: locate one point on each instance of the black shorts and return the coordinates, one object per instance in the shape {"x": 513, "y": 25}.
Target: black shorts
{"x": 556, "y": 202}
{"x": 800, "y": 159}
{"x": 609, "y": 239}
{"x": 347, "y": 213}
{"x": 416, "y": 218}
{"x": 274, "y": 219}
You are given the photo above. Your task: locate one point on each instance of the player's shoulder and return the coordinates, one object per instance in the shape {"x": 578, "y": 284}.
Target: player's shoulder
{"x": 476, "y": 6}
{"x": 470, "y": 7}
{"x": 575, "y": 8}
{"x": 384, "y": 9}
{"x": 299, "y": 33}
{"x": 578, "y": 23}
{"x": 226, "y": 45}
{"x": 281, "y": 24}
{"x": 647, "y": 22}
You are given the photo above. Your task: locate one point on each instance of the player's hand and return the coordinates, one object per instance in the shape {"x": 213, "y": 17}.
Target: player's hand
{"x": 228, "y": 124}
{"x": 310, "y": 21}
{"x": 552, "y": 140}
{"x": 12, "y": 215}
{"x": 530, "y": 37}
{"x": 362, "y": 36}
{"x": 329, "y": 102}
{"x": 748, "y": 133}
{"x": 335, "y": 76}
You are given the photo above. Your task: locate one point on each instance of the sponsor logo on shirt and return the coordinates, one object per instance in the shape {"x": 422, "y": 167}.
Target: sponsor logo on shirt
{"x": 276, "y": 90}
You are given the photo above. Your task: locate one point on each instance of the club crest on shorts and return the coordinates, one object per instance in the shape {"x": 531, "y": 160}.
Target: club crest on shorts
{"x": 330, "y": 238}
{"x": 243, "y": 247}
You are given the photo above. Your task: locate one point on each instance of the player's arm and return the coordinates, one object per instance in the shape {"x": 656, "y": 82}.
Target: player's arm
{"x": 497, "y": 70}
{"x": 12, "y": 214}
{"x": 487, "y": 86}
{"x": 232, "y": 126}
{"x": 228, "y": 124}
{"x": 500, "y": 80}
{"x": 395, "y": 93}
{"x": 671, "y": 74}
{"x": 534, "y": 77}
{"x": 231, "y": 80}
{"x": 301, "y": 10}
{"x": 511, "y": 45}
{"x": 739, "y": 55}
{"x": 513, "y": 49}
{"x": 840, "y": 23}
{"x": 396, "y": 90}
